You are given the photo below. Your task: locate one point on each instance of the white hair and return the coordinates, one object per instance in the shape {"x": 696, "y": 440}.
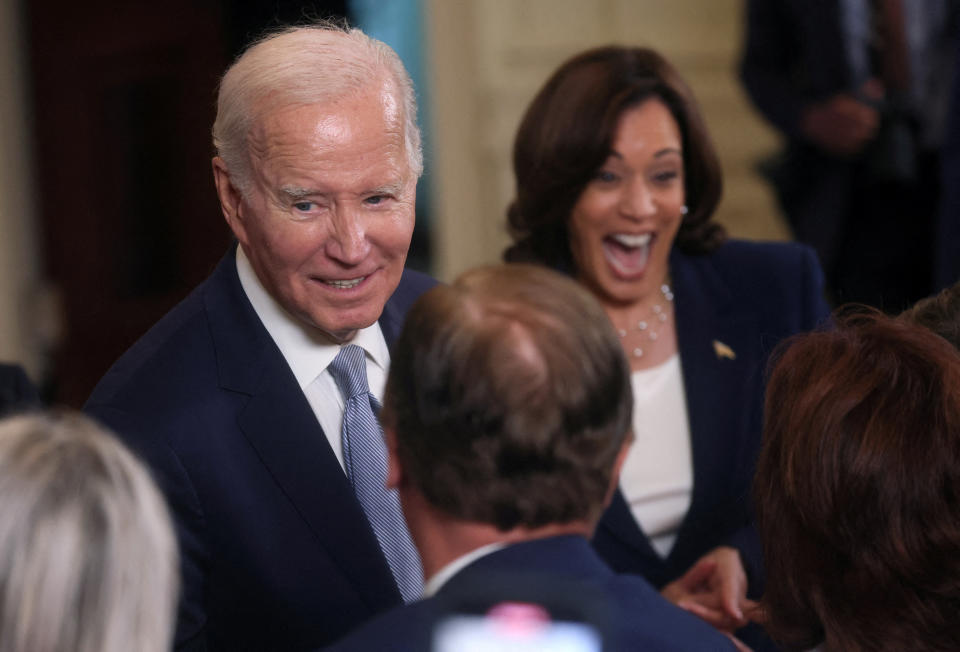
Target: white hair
{"x": 305, "y": 65}
{"x": 88, "y": 558}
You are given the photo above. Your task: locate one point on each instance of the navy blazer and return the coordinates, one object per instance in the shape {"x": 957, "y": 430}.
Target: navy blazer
{"x": 743, "y": 298}
{"x": 276, "y": 551}
{"x": 635, "y": 616}
{"x": 17, "y": 393}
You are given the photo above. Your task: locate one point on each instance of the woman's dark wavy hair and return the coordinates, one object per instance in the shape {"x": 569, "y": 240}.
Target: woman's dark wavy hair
{"x": 858, "y": 489}
{"x": 940, "y": 313}
{"x": 567, "y": 134}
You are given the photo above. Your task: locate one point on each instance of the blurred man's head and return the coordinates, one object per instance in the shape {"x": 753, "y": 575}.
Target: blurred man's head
{"x": 509, "y": 400}
{"x": 318, "y": 159}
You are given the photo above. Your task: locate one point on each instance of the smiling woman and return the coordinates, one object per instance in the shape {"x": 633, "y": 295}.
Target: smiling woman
{"x": 617, "y": 182}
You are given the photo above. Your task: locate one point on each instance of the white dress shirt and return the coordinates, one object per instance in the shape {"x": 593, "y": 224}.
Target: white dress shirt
{"x": 657, "y": 476}
{"x": 308, "y": 353}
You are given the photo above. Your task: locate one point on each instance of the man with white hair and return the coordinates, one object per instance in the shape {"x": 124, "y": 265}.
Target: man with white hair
{"x": 254, "y": 400}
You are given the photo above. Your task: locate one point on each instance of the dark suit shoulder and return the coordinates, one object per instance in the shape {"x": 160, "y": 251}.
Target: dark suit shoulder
{"x": 173, "y": 348}
{"x": 16, "y": 391}
{"x": 751, "y": 261}
{"x": 780, "y": 281}
{"x": 406, "y": 628}
{"x": 412, "y": 285}
{"x": 647, "y": 621}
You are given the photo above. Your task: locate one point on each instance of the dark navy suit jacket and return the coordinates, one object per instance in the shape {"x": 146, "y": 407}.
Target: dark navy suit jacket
{"x": 277, "y": 553}
{"x": 16, "y": 391}
{"x": 745, "y": 297}
{"x": 636, "y": 617}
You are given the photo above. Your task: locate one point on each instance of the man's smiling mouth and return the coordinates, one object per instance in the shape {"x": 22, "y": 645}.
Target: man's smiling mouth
{"x": 344, "y": 284}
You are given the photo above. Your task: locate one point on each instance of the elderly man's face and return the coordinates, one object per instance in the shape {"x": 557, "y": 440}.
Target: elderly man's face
{"x": 328, "y": 216}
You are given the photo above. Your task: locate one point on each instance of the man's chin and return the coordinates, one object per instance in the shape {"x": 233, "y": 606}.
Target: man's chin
{"x": 344, "y": 331}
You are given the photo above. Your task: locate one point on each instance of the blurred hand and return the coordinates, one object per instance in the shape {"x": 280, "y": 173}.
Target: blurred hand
{"x": 715, "y": 589}
{"x": 842, "y": 125}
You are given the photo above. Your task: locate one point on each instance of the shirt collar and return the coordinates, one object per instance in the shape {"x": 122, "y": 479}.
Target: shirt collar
{"x": 307, "y": 351}
{"x": 446, "y": 573}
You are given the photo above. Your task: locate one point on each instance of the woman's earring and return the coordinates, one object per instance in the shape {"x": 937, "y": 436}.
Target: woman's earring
{"x": 684, "y": 210}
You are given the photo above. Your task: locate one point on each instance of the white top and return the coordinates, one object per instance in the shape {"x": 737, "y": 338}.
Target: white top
{"x": 308, "y": 353}
{"x": 445, "y": 574}
{"x": 657, "y": 476}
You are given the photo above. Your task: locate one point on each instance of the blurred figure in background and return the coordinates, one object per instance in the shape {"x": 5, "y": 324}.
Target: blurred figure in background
{"x": 859, "y": 89}
{"x": 617, "y": 180}
{"x": 858, "y": 490}
{"x": 89, "y": 558}
{"x": 507, "y": 415}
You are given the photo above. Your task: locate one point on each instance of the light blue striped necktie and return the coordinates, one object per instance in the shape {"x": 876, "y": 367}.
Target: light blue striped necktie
{"x": 365, "y": 459}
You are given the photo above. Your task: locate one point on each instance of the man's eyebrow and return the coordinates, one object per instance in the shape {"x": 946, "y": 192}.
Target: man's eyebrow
{"x": 394, "y": 188}
{"x": 297, "y": 192}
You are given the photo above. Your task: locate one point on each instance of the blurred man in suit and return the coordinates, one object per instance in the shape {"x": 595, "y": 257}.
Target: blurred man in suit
{"x": 507, "y": 418}
{"x": 859, "y": 90}
{"x": 254, "y": 400}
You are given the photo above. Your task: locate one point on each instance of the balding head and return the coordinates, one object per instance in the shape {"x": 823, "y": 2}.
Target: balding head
{"x": 510, "y": 399}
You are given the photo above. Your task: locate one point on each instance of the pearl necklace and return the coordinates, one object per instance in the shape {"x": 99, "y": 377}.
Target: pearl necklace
{"x": 651, "y": 325}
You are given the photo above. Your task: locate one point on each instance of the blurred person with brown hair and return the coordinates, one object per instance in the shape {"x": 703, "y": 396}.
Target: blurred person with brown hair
{"x": 617, "y": 181}
{"x": 858, "y": 489}
{"x": 89, "y": 559}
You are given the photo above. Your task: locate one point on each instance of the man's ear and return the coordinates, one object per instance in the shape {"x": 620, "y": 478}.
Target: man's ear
{"x": 394, "y": 468}
{"x": 231, "y": 201}
{"x": 617, "y": 467}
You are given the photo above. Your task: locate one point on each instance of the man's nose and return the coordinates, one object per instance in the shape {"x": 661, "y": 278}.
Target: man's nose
{"x": 348, "y": 243}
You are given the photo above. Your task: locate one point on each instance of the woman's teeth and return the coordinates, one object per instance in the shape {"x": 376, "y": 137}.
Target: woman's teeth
{"x": 631, "y": 240}
{"x": 627, "y": 253}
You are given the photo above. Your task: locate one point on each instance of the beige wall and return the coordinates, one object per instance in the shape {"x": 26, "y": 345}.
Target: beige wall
{"x": 19, "y": 256}
{"x": 489, "y": 57}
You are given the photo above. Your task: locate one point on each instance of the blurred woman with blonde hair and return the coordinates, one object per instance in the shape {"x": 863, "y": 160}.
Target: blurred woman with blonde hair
{"x": 88, "y": 560}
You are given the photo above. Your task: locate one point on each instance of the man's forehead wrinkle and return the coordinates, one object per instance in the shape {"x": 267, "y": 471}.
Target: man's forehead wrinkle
{"x": 257, "y": 142}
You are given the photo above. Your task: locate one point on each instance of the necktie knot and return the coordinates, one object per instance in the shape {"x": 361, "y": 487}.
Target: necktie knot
{"x": 349, "y": 371}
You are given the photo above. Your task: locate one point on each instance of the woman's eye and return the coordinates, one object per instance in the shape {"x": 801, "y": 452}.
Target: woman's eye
{"x": 605, "y": 176}
{"x": 666, "y": 177}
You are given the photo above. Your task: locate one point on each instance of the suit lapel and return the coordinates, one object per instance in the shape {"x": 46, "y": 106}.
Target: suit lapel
{"x": 619, "y": 520}
{"x": 716, "y": 340}
{"x": 280, "y": 425}
{"x": 719, "y": 342}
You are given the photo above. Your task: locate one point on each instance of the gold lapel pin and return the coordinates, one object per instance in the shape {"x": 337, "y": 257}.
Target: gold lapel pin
{"x": 723, "y": 351}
